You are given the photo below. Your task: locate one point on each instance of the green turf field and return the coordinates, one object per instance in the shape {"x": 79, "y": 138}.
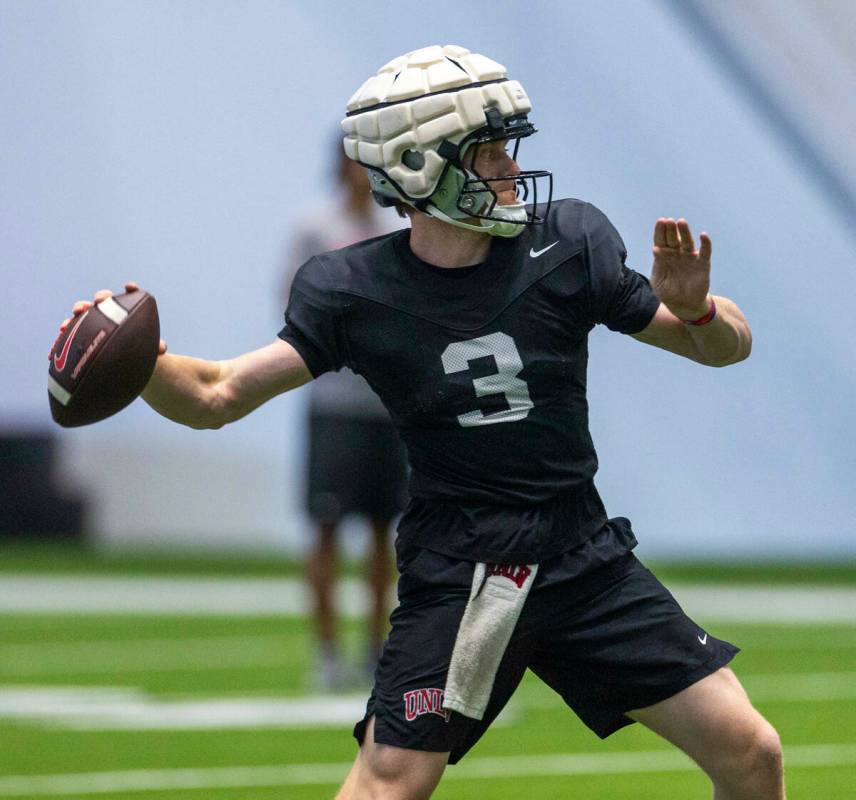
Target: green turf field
{"x": 155, "y": 706}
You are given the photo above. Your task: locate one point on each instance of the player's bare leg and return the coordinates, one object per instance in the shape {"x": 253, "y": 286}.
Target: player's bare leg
{"x": 714, "y": 723}
{"x": 379, "y": 575}
{"x": 393, "y": 773}
{"x": 322, "y": 568}
{"x": 321, "y": 572}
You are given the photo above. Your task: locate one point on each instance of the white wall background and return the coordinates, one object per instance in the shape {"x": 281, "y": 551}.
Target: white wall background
{"x": 174, "y": 144}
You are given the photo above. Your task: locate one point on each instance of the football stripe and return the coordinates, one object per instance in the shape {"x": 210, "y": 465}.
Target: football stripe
{"x": 112, "y": 310}
{"x": 61, "y": 395}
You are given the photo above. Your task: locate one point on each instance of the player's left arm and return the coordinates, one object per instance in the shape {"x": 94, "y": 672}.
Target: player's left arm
{"x": 680, "y": 278}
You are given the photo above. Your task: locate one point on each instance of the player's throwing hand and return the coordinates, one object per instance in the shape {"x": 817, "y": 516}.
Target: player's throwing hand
{"x": 82, "y": 306}
{"x": 681, "y": 274}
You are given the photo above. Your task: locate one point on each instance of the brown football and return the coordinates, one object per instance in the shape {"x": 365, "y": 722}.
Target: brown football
{"x": 104, "y": 359}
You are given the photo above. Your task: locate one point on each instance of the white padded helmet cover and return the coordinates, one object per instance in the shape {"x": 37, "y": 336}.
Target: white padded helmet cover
{"x": 418, "y": 118}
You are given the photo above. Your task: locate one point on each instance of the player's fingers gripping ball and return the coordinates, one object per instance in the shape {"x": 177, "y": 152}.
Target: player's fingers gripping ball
{"x": 103, "y": 358}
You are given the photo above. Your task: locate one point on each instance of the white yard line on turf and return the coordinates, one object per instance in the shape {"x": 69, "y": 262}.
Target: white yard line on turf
{"x": 248, "y": 597}
{"x": 94, "y": 783}
{"x": 95, "y": 708}
{"x": 112, "y": 709}
{"x": 194, "y": 596}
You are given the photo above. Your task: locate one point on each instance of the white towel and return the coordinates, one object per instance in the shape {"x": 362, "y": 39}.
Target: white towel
{"x": 496, "y": 600}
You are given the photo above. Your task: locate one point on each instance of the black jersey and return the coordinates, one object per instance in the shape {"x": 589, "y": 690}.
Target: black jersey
{"x": 483, "y": 371}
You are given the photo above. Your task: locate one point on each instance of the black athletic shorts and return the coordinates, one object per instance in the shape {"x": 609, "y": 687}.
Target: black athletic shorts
{"x": 357, "y": 465}
{"x": 608, "y": 641}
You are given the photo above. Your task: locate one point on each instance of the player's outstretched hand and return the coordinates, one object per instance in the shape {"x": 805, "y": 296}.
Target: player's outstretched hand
{"x": 81, "y": 306}
{"x": 680, "y": 276}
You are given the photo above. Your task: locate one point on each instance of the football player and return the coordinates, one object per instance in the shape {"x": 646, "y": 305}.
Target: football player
{"x": 472, "y": 328}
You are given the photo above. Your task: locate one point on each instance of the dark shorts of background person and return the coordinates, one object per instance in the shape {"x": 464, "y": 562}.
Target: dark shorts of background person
{"x": 597, "y": 627}
{"x": 356, "y": 465}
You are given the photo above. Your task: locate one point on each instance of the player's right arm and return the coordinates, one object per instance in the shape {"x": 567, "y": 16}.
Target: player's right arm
{"x": 209, "y": 394}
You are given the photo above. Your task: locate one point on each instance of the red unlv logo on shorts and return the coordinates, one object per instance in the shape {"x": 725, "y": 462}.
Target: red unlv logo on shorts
{"x": 517, "y": 574}
{"x": 424, "y": 701}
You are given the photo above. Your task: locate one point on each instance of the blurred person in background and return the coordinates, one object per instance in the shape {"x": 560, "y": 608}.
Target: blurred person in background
{"x": 355, "y": 461}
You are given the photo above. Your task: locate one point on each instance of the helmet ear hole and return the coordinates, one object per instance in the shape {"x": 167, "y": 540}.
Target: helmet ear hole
{"x": 413, "y": 159}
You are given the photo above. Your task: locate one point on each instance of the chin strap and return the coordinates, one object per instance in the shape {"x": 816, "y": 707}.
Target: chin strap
{"x": 506, "y": 228}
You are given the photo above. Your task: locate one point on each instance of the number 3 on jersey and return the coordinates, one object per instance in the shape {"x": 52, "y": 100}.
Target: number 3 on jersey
{"x": 456, "y": 358}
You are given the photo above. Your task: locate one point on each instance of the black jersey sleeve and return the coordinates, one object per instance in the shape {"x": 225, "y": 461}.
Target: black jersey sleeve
{"x": 619, "y": 297}
{"x": 313, "y": 320}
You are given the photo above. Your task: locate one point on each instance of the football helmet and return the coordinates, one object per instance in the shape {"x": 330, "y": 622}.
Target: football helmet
{"x": 416, "y": 127}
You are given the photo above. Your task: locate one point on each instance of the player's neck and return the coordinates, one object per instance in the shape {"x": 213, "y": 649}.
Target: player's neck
{"x": 444, "y": 245}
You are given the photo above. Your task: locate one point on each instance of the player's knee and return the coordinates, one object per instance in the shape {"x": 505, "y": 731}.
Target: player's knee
{"x": 754, "y": 749}
{"x": 765, "y": 751}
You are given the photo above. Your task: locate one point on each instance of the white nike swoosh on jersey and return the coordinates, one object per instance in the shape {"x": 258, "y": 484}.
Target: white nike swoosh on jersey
{"x": 535, "y": 253}
{"x": 703, "y": 639}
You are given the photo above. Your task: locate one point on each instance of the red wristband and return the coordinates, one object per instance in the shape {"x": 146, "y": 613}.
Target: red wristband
{"x": 711, "y": 314}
